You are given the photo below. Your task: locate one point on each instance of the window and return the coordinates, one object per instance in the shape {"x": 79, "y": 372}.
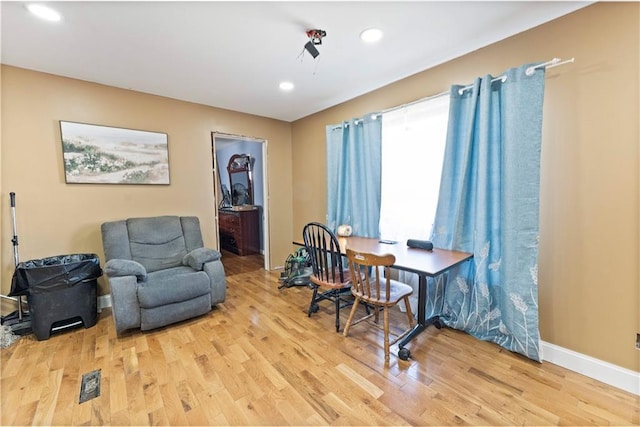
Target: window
{"x": 413, "y": 142}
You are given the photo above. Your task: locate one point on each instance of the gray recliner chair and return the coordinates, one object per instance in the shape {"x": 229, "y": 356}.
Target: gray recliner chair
{"x": 159, "y": 272}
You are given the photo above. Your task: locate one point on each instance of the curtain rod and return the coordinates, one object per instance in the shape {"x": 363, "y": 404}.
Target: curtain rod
{"x": 426, "y": 98}
{"x": 379, "y": 113}
{"x": 555, "y": 62}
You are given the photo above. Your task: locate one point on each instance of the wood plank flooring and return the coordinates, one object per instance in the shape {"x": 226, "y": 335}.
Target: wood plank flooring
{"x": 258, "y": 359}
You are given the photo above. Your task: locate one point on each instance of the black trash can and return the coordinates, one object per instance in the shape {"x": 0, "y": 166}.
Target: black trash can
{"x": 61, "y": 291}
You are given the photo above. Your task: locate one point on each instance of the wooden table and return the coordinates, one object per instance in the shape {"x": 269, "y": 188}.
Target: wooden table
{"x": 422, "y": 262}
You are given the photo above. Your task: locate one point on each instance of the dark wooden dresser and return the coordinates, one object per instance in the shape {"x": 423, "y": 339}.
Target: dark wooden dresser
{"x": 239, "y": 231}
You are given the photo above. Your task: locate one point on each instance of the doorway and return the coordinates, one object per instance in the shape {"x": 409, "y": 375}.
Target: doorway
{"x": 223, "y": 147}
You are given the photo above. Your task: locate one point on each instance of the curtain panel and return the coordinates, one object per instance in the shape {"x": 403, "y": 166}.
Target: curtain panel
{"x": 488, "y": 205}
{"x": 353, "y": 175}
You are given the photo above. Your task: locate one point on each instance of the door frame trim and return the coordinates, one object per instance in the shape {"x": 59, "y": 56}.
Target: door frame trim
{"x": 265, "y": 188}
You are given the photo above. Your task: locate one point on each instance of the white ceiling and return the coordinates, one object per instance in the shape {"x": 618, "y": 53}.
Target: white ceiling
{"x": 233, "y": 54}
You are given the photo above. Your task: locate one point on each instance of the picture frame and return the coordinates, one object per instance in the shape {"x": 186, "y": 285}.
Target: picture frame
{"x": 97, "y": 154}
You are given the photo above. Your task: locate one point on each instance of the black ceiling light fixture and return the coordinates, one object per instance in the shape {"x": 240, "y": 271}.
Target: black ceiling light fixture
{"x": 315, "y": 38}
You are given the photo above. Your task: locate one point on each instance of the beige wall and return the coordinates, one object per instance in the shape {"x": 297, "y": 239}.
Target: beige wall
{"x": 589, "y": 232}
{"x": 57, "y": 218}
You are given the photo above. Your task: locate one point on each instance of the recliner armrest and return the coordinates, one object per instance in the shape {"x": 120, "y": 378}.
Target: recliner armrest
{"x": 125, "y": 267}
{"x": 198, "y": 257}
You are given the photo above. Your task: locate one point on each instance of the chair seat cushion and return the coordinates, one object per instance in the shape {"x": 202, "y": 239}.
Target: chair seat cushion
{"x": 172, "y": 285}
{"x": 398, "y": 290}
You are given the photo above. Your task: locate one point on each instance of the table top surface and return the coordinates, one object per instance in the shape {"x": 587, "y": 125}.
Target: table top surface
{"x": 421, "y": 261}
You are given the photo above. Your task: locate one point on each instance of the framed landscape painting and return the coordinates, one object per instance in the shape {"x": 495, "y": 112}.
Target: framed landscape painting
{"x": 95, "y": 154}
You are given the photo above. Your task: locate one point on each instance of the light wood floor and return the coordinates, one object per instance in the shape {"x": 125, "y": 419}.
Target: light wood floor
{"x": 258, "y": 359}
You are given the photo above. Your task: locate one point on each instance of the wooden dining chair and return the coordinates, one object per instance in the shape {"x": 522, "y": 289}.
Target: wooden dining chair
{"x": 328, "y": 270}
{"x": 369, "y": 286}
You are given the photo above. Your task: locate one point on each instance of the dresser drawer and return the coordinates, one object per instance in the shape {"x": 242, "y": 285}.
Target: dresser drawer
{"x": 229, "y": 221}
{"x": 240, "y": 231}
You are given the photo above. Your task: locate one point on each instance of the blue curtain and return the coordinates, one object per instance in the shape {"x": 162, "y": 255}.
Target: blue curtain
{"x": 488, "y": 205}
{"x": 353, "y": 175}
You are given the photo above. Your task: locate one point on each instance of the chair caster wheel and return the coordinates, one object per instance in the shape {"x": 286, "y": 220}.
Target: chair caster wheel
{"x": 404, "y": 354}
{"x": 438, "y": 324}
{"x": 314, "y": 309}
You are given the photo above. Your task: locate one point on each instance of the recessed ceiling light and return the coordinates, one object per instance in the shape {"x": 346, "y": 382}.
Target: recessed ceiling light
{"x": 371, "y": 35}
{"x": 44, "y": 12}
{"x": 286, "y": 86}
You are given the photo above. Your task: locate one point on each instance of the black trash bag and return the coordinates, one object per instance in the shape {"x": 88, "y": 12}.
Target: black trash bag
{"x": 39, "y": 276}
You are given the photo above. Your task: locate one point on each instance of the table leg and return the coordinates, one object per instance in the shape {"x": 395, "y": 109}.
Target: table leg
{"x": 423, "y": 322}
{"x": 422, "y": 299}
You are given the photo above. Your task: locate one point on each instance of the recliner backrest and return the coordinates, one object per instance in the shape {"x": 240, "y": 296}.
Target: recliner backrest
{"x": 155, "y": 242}
{"x": 192, "y": 232}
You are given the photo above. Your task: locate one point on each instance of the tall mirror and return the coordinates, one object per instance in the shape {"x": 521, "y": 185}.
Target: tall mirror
{"x": 239, "y": 169}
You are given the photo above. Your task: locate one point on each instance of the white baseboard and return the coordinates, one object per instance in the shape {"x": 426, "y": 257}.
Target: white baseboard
{"x": 104, "y": 301}
{"x": 600, "y": 370}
